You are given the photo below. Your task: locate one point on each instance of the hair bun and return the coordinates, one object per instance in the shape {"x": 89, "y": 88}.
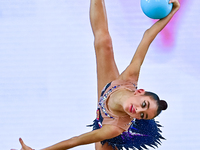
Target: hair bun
{"x": 163, "y": 104}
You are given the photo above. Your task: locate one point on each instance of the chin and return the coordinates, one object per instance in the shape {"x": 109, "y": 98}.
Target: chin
{"x": 126, "y": 109}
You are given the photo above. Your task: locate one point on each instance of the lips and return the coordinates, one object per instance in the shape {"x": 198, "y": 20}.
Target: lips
{"x": 132, "y": 109}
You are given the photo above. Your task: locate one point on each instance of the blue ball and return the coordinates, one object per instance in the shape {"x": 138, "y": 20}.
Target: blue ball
{"x": 156, "y": 9}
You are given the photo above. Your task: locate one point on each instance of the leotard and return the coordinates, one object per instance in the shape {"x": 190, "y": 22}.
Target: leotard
{"x": 138, "y": 133}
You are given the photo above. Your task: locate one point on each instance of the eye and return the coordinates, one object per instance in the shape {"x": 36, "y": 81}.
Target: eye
{"x": 143, "y": 104}
{"x": 142, "y": 115}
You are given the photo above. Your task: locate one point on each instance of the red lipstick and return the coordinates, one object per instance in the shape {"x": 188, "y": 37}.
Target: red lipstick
{"x": 132, "y": 109}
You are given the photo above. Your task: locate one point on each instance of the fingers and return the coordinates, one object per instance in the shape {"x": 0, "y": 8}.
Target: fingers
{"x": 173, "y": 1}
{"x": 24, "y": 146}
{"x": 21, "y": 142}
{"x": 176, "y": 4}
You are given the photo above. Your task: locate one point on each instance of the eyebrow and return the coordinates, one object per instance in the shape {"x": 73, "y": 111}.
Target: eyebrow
{"x": 148, "y": 105}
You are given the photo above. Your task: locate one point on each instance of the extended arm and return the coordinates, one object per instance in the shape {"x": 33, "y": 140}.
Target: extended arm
{"x": 132, "y": 71}
{"x": 106, "y": 132}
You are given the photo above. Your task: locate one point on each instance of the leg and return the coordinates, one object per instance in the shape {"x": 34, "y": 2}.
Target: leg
{"x": 106, "y": 66}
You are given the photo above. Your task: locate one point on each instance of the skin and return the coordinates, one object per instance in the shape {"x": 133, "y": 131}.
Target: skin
{"x": 107, "y": 71}
{"x": 140, "y": 106}
{"x": 134, "y": 104}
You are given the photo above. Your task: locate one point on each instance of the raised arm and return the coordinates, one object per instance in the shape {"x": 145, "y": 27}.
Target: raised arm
{"x": 133, "y": 70}
{"x": 106, "y": 132}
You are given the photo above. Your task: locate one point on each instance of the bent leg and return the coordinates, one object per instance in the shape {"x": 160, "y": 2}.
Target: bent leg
{"x": 106, "y": 66}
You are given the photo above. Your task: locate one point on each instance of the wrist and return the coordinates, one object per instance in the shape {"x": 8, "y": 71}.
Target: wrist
{"x": 175, "y": 10}
{"x": 176, "y": 7}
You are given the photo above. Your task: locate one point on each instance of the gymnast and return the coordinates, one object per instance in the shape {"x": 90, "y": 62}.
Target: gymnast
{"x": 124, "y": 114}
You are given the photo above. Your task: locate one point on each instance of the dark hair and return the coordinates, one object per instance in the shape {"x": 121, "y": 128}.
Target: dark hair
{"x": 162, "y": 104}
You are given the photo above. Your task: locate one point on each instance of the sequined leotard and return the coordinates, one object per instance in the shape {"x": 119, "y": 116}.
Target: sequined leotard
{"x": 138, "y": 133}
{"x": 109, "y": 117}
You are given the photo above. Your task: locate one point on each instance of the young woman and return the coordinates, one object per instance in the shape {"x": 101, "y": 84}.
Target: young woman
{"x": 120, "y": 104}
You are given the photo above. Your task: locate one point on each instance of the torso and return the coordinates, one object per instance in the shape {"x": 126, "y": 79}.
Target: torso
{"x": 107, "y": 103}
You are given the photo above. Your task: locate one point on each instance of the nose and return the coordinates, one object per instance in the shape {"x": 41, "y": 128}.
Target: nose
{"x": 140, "y": 109}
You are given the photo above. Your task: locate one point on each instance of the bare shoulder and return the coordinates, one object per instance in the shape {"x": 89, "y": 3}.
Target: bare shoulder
{"x": 129, "y": 78}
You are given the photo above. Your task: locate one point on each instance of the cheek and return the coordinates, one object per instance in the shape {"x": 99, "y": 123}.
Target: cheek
{"x": 126, "y": 107}
{"x": 136, "y": 116}
{"x": 126, "y": 103}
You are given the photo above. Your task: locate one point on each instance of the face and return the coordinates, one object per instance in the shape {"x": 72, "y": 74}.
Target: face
{"x": 140, "y": 107}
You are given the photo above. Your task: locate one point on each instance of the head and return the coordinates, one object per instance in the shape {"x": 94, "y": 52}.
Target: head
{"x": 161, "y": 104}
{"x": 144, "y": 105}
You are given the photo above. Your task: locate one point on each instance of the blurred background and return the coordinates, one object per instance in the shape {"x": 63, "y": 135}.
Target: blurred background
{"x": 48, "y": 72}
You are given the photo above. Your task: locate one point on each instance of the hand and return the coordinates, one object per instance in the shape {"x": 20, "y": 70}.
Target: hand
{"x": 176, "y": 5}
{"x": 24, "y": 146}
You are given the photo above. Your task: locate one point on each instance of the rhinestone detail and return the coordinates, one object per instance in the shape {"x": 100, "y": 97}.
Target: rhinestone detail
{"x": 105, "y": 96}
{"x": 103, "y": 99}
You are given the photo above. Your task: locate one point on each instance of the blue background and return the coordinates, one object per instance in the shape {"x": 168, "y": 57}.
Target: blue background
{"x": 48, "y": 75}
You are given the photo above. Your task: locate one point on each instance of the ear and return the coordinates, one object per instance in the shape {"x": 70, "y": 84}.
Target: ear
{"x": 140, "y": 92}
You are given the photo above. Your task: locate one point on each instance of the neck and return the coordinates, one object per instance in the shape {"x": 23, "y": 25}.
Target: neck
{"x": 116, "y": 101}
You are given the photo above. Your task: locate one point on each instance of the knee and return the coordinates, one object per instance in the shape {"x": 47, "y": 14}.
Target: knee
{"x": 103, "y": 42}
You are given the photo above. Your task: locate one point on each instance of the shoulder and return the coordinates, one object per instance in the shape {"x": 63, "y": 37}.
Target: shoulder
{"x": 123, "y": 78}
{"x": 127, "y": 83}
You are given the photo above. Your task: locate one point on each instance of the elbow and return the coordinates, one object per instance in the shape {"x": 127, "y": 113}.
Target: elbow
{"x": 147, "y": 31}
{"x": 149, "y": 35}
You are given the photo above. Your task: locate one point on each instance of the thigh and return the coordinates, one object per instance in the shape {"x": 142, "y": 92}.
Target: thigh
{"x": 106, "y": 67}
{"x": 99, "y": 146}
